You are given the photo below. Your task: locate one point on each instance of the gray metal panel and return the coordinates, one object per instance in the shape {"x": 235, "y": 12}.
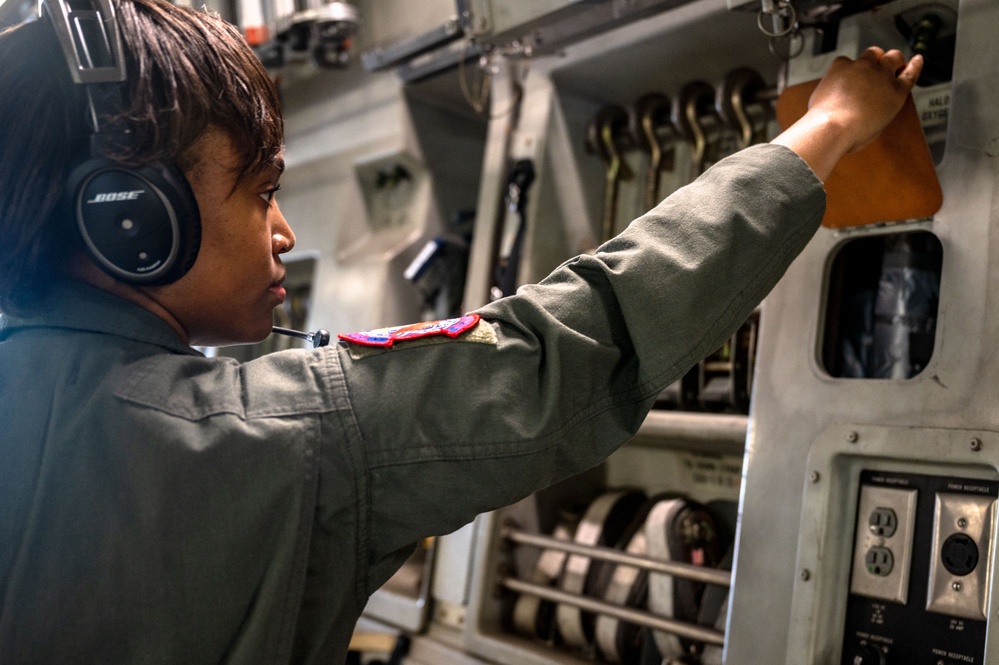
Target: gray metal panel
{"x": 795, "y": 400}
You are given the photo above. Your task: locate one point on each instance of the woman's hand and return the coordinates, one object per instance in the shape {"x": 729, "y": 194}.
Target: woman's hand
{"x": 865, "y": 94}
{"x": 851, "y": 105}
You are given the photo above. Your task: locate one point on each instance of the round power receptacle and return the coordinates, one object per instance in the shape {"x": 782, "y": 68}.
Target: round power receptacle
{"x": 959, "y": 554}
{"x": 868, "y": 655}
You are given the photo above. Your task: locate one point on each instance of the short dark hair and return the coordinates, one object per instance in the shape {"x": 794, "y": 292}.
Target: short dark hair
{"x": 188, "y": 70}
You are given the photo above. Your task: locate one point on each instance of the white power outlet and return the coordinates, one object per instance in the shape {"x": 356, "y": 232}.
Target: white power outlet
{"x": 962, "y": 535}
{"x": 882, "y": 549}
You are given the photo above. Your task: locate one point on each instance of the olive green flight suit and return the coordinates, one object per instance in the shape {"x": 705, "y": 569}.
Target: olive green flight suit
{"x": 157, "y": 506}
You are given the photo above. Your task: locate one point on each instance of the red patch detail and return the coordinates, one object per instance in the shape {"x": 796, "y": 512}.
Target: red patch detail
{"x": 386, "y": 337}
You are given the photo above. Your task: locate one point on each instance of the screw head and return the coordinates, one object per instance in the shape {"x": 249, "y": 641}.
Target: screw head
{"x": 956, "y": 586}
{"x": 976, "y": 444}
{"x": 852, "y": 437}
{"x": 813, "y": 476}
{"x": 962, "y": 522}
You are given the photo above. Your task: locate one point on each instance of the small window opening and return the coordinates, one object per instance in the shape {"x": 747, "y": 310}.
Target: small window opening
{"x": 882, "y": 304}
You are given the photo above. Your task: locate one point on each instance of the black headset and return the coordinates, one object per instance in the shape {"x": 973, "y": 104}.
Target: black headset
{"x": 140, "y": 225}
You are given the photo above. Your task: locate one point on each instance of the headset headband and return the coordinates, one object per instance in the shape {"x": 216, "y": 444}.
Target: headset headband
{"x": 88, "y": 33}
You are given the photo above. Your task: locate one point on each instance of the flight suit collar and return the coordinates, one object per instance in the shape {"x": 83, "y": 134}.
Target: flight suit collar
{"x": 79, "y": 306}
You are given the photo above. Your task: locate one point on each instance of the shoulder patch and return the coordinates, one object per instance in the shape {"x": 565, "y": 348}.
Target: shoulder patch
{"x": 386, "y": 337}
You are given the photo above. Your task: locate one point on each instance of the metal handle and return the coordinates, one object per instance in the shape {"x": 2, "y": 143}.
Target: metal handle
{"x": 637, "y": 617}
{"x": 676, "y": 569}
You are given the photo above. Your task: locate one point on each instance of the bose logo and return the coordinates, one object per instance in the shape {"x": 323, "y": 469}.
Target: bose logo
{"x": 108, "y": 197}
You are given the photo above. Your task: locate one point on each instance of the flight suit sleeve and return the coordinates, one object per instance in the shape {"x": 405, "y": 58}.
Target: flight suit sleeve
{"x": 560, "y": 375}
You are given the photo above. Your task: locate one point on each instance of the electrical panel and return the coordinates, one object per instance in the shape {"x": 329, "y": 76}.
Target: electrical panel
{"x": 920, "y": 570}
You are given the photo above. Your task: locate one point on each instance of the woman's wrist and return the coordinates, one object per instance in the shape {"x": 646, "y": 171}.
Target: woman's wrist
{"x": 820, "y": 139}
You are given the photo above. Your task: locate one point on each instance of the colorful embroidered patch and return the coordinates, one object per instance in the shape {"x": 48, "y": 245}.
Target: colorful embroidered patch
{"x": 386, "y": 337}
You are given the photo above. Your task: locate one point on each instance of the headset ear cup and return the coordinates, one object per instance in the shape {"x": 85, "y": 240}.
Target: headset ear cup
{"x": 176, "y": 187}
{"x": 141, "y": 226}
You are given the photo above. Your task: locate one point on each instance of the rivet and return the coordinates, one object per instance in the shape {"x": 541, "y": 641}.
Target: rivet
{"x": 814, "y": 476}
{"x": 976, "y": 444}
{"x": 852, "y": 437}
{"x": 962, "y": 522}
{"x": 806, "y": 574}
{"x": 956, "y": 586}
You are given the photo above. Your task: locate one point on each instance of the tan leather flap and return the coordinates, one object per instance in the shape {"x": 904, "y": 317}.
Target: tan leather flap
{"x": 890, "y": 179}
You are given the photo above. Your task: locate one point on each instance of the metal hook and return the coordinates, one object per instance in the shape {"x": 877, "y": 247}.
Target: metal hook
{"x": 607, "y": 136}
{"x": 650, "y": 115}
{"x": 695, "y": 102}
{"x": 740, "y": 88}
